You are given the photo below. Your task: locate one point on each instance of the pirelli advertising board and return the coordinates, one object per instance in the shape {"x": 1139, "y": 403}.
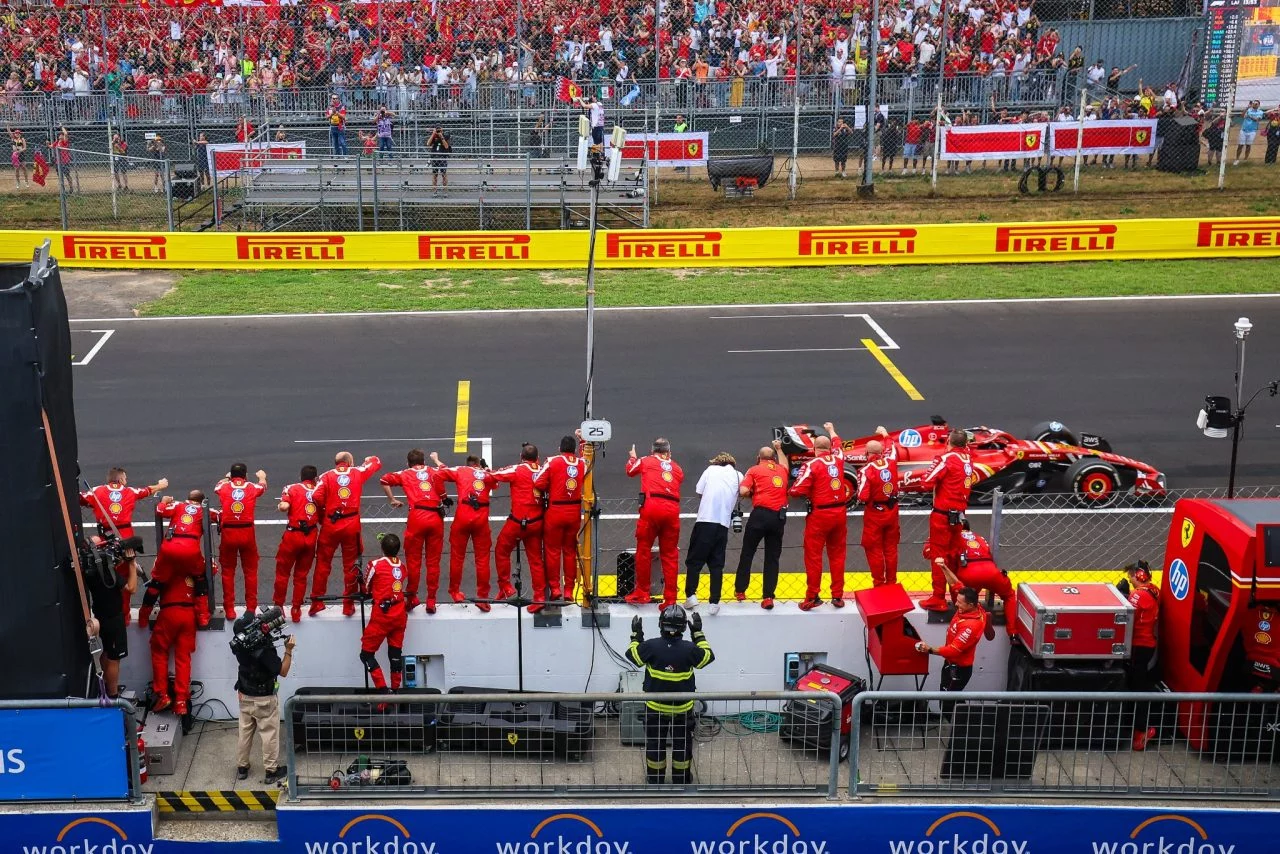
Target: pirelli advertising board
{"x": 749, "y": 247}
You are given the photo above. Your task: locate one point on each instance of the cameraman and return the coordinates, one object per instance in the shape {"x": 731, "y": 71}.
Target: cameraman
{"x": 259, "y": 668}
{"x": 440, "y": 147}
{"x": 104, "y": 587}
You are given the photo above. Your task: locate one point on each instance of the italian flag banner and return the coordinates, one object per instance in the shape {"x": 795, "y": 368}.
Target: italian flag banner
{"x": 992, "y": 142}
{"x": 1125, "y": 136}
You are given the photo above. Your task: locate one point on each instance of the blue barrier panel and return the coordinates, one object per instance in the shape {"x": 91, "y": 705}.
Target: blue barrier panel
{"x": 63, "y": 754}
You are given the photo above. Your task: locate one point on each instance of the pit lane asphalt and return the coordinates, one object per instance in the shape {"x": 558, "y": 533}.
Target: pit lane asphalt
{"x": 184, "y": 398}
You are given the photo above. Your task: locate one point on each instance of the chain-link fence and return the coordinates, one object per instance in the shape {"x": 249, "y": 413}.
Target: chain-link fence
{"x": 1047, "y": 537}
{"x": 478, "y": 743}
{"x": 1068, "y": 744}
{"x": 797, "y": 82}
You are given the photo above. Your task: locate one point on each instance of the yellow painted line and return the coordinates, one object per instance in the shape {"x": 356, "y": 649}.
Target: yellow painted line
{"x": 892, "y": 369}
{"x": 463, "y": 419}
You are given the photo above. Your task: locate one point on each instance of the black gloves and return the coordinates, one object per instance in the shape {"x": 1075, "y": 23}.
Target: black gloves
{"x": 1123, "y": 586}
{"x": 695, "y": 622}
{"x": 637, "y": 628}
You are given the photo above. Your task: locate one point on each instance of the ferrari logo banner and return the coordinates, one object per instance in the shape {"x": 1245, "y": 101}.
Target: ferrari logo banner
{"x": 667, "y": 149}
{"x": 1127, "y": 136}
{"x": 1116, "y": 240}
{"x": 992, "y": 142}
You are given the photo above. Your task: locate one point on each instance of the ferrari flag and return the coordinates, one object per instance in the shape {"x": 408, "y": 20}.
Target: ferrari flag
{"x": 568, "y": 91}
{"x": 1127, "y": 136}
{"x": 667, "y": 149}
{"x": 992, "y": 142}
{"x": 41, "y": 170}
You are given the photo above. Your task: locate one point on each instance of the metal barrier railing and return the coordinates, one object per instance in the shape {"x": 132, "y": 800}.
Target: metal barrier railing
{"x": 129, "y": 736}
{"x": 515, "y": 745}
{"x": 1066, "y": 744}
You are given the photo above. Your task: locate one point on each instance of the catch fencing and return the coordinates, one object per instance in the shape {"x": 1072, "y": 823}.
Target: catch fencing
{"x": 530, "y": 745}
{"x": 1058, "y": 744}
{"x": 1046, "y": 537}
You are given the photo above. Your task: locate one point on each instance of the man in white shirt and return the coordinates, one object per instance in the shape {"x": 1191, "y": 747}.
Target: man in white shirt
{"x": 596, "y": 112}
{"x": 718, "y": 487}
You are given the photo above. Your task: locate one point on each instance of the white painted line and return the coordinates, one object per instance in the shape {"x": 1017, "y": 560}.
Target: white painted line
{"x": 358, "y": 441}
{"x": 470, "y": 311}
{"x": 93, "y": 351}
{"x": 889, "y": 343}
{"x": 769, "y": 316}
{"x": 814, "y": 350}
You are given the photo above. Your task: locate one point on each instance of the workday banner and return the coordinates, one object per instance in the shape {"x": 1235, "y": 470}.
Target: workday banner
{"x": 836, "y": 829}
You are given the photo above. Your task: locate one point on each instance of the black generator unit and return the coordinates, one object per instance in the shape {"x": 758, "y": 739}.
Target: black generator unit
{"x": 565, "y": 730}
{"x": 360, "y": 726}
{"x": 1092, "y": 724}
{"x": 993, "y": 741}
{"x": 808, "y": 724}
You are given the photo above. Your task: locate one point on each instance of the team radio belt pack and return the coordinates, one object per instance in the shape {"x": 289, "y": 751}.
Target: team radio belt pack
{"x": 1075, "y": 621}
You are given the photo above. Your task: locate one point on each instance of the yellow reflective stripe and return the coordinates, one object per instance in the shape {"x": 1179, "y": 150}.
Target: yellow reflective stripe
{"x": 678, "y": 676}
{"x": 706, "y": 658}
{"x": 634, "y": 652}
{"x": 657, "y": 765}
{"x": 669, "y": 708}
{"x": 681, "y": 766}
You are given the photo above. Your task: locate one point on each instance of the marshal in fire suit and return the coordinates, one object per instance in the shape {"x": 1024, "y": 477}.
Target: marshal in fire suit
{"x": 951, "y": 477}
{"x": 561, "y": 483}
{"x": 424, "y": 492}
{"x": 338, "y": 496}
{"x": 660, "y": 479}
{"x": 878, "y": 493}
{"x": 475, "y": 484}
{"x": 821, "y": 481}
{"x": 669, "y": 661}
{"x": 1258, "y": 632}
{"x": 524, "y": 524}
{"x": 297, "y": 551}
{"x": 384, "y": 583}
{"x": 236, "y": 537}
{"x": 179, "y": 586}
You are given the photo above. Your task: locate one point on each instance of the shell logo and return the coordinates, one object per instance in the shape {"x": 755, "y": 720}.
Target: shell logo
{"x": 115, "y": 507}
{"x": 777, "y": 481}
{"x": 186, "y": 518}
{"x": 237, "y": 507}
{"x": 344, "y": 493}
{"x": 570, "y": 484}
{"x": 310, "y": 509}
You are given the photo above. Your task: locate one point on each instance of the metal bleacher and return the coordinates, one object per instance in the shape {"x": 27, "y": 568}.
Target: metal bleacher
{"x": 396, "y": 192}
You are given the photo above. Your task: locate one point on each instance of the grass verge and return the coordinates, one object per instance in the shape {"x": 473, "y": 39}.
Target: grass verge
{"x": 289, "y": 292}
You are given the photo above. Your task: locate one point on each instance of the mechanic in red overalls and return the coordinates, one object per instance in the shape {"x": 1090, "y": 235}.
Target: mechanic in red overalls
{"x": 475, "y": 484}
{"x": 113, "y": 503}
{"x": 1145, "y": 599}
{"x": 660, "y": 479}
{"x": 561, "y": 483}
{"x": 338, "y": 496}
{"x": 968, "y": 626}
{"x": 878, "y": 492}
{"x": 384, "y": 582}
{"x": 1260, "y": 647}
{"x": 297, "y": 551}
{"x": 524, "y": 524}
{"x": 978, "y": 570}
{"x": 424, "y": 491}
{"x": 178, "y": 584}
{"x": 821, "y": 481}
{"x": 237, "y": 538}
{"x": 951, "y": 477}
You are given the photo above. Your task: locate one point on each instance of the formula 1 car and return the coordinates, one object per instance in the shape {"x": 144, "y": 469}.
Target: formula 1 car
{"x": 1053, "y": 459}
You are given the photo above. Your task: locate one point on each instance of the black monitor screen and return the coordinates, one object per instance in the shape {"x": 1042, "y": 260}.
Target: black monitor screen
{"x": 1271, "y": 545}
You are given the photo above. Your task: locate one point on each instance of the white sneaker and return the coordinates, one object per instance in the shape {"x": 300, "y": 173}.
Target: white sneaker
{"x": 713, "y": 608}
{"x": 691, "y": 602}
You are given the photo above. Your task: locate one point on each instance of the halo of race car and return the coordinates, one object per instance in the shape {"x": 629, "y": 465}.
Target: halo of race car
{"x": 1052, "y": 458}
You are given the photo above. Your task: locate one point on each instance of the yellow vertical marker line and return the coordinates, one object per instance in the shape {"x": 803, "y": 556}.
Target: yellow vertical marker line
{"x": 462, "y": 421}
{"x": 892, "y": 369}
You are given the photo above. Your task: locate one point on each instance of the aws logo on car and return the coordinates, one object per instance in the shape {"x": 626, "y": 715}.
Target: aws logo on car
{"x": 91, "y": 834}
{"x": 961, "y": 833}
{"x": 761, "y": 833}
{"x": 565, "y": 833}
{"x": 1166, "y": 834}
{"x": 372, "y": 833}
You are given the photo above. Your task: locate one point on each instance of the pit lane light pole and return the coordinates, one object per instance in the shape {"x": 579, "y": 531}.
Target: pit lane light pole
{"x": 1218, "y": 417}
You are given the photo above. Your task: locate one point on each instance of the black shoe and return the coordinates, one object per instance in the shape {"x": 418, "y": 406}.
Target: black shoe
{"x": 275, "y": 776}
{"x": 242, "y": 773}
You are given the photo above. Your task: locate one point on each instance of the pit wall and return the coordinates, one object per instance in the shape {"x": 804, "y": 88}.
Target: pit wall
{"x": 743, "y": 247}
{"x": 679, "y": 829}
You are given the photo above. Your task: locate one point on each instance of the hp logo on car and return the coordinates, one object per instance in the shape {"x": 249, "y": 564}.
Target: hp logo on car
{"x": 909, "y": 439}
{"x": 1179, "y": 579}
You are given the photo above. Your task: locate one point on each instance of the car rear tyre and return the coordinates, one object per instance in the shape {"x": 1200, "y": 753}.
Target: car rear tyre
{"x": 1053, "y": 431}
{"x": 1094, "y": 483}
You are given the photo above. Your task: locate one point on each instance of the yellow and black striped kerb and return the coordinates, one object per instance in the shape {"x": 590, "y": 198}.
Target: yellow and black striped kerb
{"x": 213, "y": 800}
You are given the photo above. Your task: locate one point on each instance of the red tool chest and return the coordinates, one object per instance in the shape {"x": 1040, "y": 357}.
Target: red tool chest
{"x": 1074, "y": 621}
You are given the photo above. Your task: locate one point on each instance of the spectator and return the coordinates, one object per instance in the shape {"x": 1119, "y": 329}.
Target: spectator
{"x": 440, "y": 147}
{"x": 384, "y": 129}
{"x": 159, "y": 154}
{"x": 538, "y": 139}
{"x": 890, "y": 143}
{"x": 18, "y": 157}
{"x": 201, "y": 154}
{"x": 1273, "y": 135}
{"x": 120, "y": 161}
{"x": 337, "y": 117}
{"x": 840, "y": 139}
{"x": 1248, "y": 131}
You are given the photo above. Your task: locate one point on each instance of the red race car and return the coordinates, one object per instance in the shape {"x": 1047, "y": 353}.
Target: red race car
{"x": 1053, "y": 460}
